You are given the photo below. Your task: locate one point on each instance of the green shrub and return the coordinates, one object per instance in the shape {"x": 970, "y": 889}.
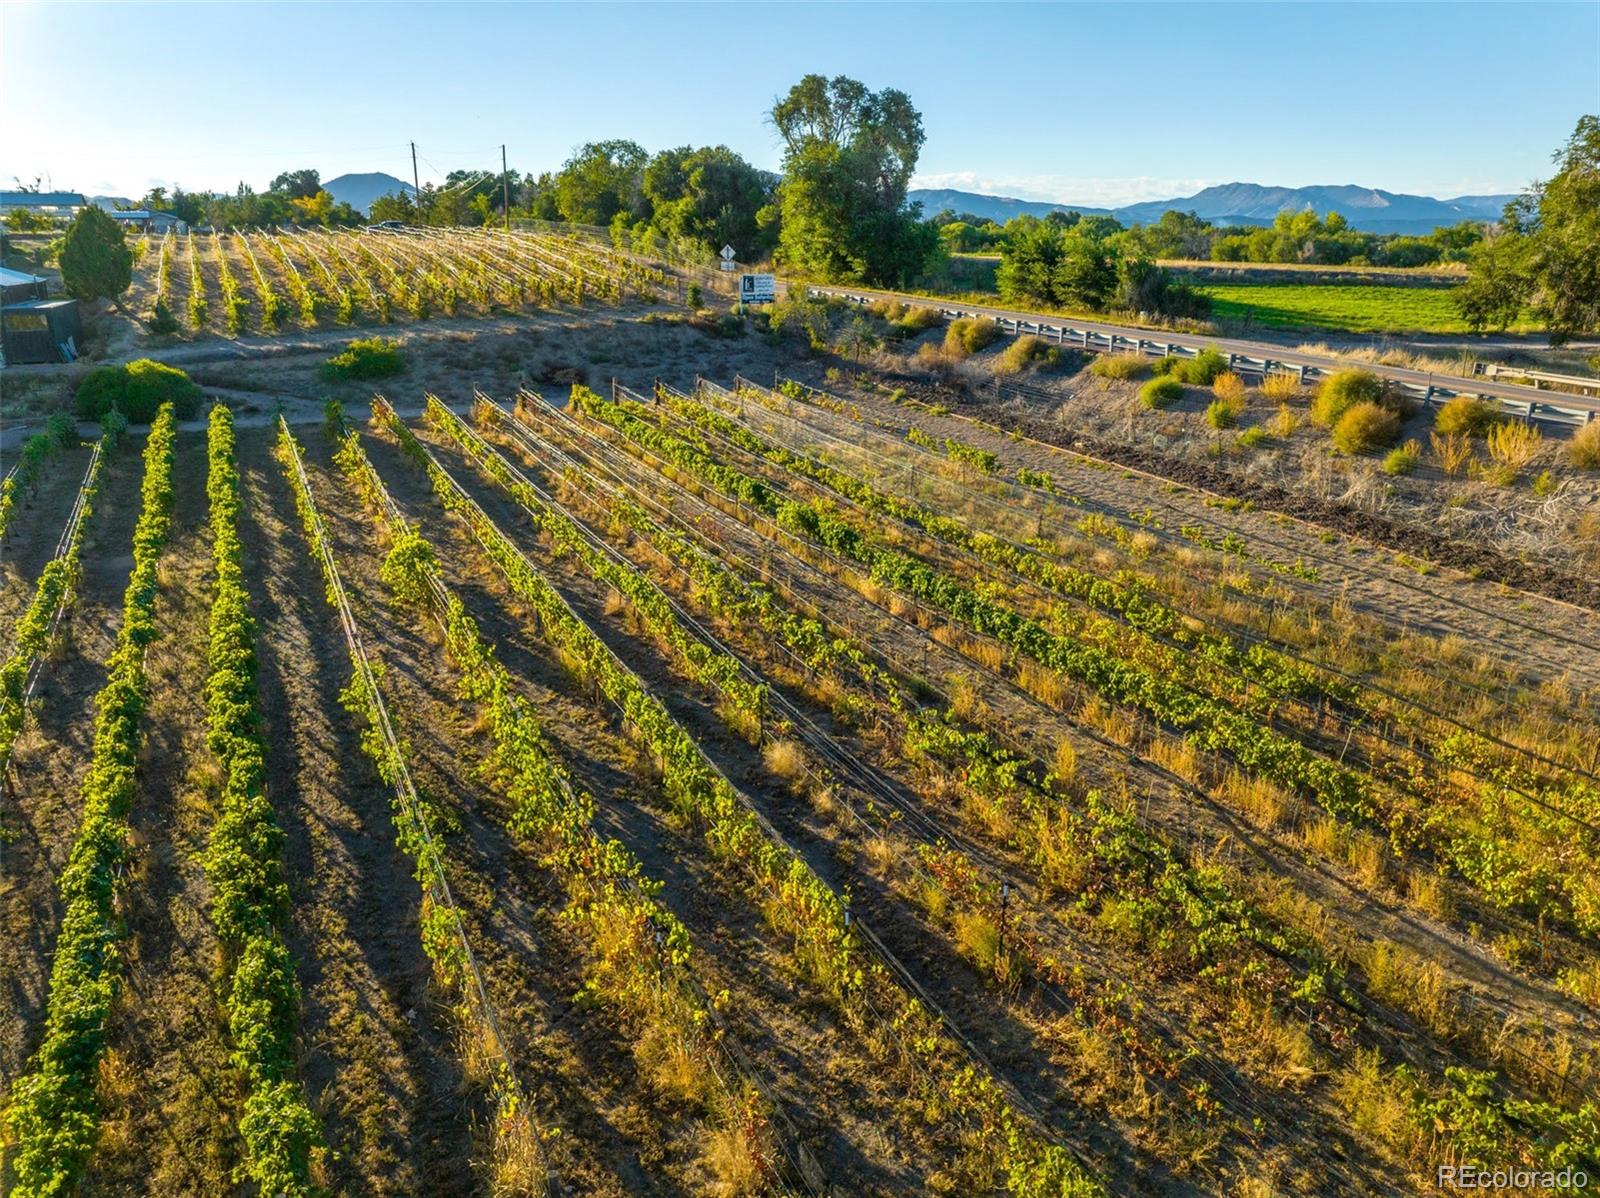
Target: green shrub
{"x": 1202, "y": 369}
{"x": 1168, "y": 364}
{"x": 1160, "y": 392}
{"x": 1120, "y": 366}
{"x": 1024, "y": 352}
{"x": 1404, "y": 459}
{"x": 1341, "y": 392}
{"x": 1463, "y": 414}
{"x": 1251, "y": 437}
{"x": 161, "y": 320}
{"x": 919, "y": 320}
{"x": 137, "y": 390}
{"x": 693, "y": 296}
{"x": 965, "y": 337}
{"x": 368, "y": 358}
{"x": 1220, "y": 413}
{"x": 1364, "y": 427}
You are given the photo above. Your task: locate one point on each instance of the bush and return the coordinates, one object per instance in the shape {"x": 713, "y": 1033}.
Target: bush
{"x": 1343, "y": 391}
{"x": 1251, "y": 437}
{"x": 1365, "y": 426}
{"x": 1229, "y": 387}
{"x": 1120, "y": 366}
{"x": 1203, "y": 369}
{"x": 370, "y": 358}
{"x": 1159, "y": 392}
{"x": 162, "y": 321}
{"x": 1467, "y": 416}
{"x": 1024, "y": 352}
{"x": 137, "y": 390}
{"x": 693, "y": 296}
{"x": 1222, "y": 414}
{"x": 1404, "y": 459}
{"x": 965, "y": 337}
{"x": 919, "y": 320}
{"x": 1281, "y": 386}
{"x": 1583, "y": 450}
{"x": 1512, "y": 445}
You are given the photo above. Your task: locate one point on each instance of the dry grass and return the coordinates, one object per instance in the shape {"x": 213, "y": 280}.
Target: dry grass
{"x": 1269, "y": 1047}
{"x": 1454, "y": 452}
{"x": 1043, "y": 684}
{"x": 1284, "y": 423}
{"x": 1281, "y": 386}
{"x": 1512, "y": 445}
{"x": 741, "y": 1154}
{"x": 785, "y": 758}
{"x": 1120, "y": 366}
{"x": 1583, "y": 451}
{"x": 1064, "y": 763}
{"x": 1376, "y": 1106}
{"x": 1229, "y": 388}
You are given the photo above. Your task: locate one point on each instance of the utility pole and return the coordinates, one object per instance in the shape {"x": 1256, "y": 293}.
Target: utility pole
{"x": 416, "y": 184}
{"x": 505, "y": 184}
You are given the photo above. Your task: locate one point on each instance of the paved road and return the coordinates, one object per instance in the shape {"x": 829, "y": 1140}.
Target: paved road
{"x": 1556, "y": 405}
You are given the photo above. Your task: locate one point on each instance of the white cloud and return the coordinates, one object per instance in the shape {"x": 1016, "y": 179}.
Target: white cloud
{"x": 1067, "y": 189}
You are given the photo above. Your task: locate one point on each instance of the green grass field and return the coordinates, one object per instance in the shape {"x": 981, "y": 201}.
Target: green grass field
{"x": 1350, "y": 308}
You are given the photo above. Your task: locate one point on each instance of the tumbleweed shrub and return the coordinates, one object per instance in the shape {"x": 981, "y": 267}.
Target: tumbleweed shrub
{"x": 1229, "y": 388}
{"x": 1203, "y": 369}
{"x": 368, "y": 358}
{"x": 1583, "y": 451}
{"x": 918, "y": 320}
{"x": 1222, "y": 414}
{"x": 1120, "y": 366}
{"x": 1342, "y": 391}
{"x": 1161, "y": 392}
{"x": 1511, "y": 445}
{"x": 965, "y": 337}
{"x": 1024, "y": 352}
{"x": 1403, "y": 459}
{"x": 1466, "y": 416}
{"x": 1365, "y": 427}
{"x": 1281, "y": 386}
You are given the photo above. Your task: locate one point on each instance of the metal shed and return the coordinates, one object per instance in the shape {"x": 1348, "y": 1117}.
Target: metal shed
{"x": 34, "y": 328}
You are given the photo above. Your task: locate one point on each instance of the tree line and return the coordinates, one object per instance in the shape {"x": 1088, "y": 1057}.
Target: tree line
{"x": 1293, "y": 237}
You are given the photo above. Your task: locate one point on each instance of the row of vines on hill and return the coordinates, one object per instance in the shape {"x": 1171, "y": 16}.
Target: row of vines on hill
{"x": 249, "y": 898}
{"x": 54, "y": 1111}
{"x": 849, "y": 971}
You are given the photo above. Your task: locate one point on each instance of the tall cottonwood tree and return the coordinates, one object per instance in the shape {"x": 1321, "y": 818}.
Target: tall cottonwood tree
{"x": 849, "y": 154}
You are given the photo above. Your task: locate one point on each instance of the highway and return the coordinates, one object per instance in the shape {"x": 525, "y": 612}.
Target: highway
{"x": 1248, "y": 357}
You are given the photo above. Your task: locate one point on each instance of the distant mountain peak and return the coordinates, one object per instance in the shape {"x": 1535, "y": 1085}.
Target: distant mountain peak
{"x": 1368, "y": 208}
{"x": 361, "y": 189}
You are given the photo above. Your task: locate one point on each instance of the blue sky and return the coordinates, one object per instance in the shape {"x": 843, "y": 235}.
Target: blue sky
{"x": 1086, "y": 102}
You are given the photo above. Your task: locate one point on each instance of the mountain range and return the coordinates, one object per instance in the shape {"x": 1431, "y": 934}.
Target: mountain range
{"x": 1366, "y": 208}
{"x": 361, "y": 190}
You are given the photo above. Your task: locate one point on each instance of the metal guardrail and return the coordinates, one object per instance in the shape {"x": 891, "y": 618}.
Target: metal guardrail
{"x": 1493, "y": 370}
{"x": 1525, "y": 402}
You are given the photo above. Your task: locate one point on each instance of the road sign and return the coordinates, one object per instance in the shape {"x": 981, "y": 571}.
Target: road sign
{"x": 727, "y": 253}
{"x": 725, "y": 264}
{"x": 757, "y": 289}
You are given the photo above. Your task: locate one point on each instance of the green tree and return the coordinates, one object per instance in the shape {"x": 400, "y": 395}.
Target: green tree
{"x": 96, "y": 262}
{"x": 1562, "y": 223}
{"x": 708, "y": 197}
{"x": 848, "y": 158}
{"x": 602, "y": 179}
{"x": 301, "y": 185}
{"x": 1548, "y": 252}
{"x": 397, "y": 205}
